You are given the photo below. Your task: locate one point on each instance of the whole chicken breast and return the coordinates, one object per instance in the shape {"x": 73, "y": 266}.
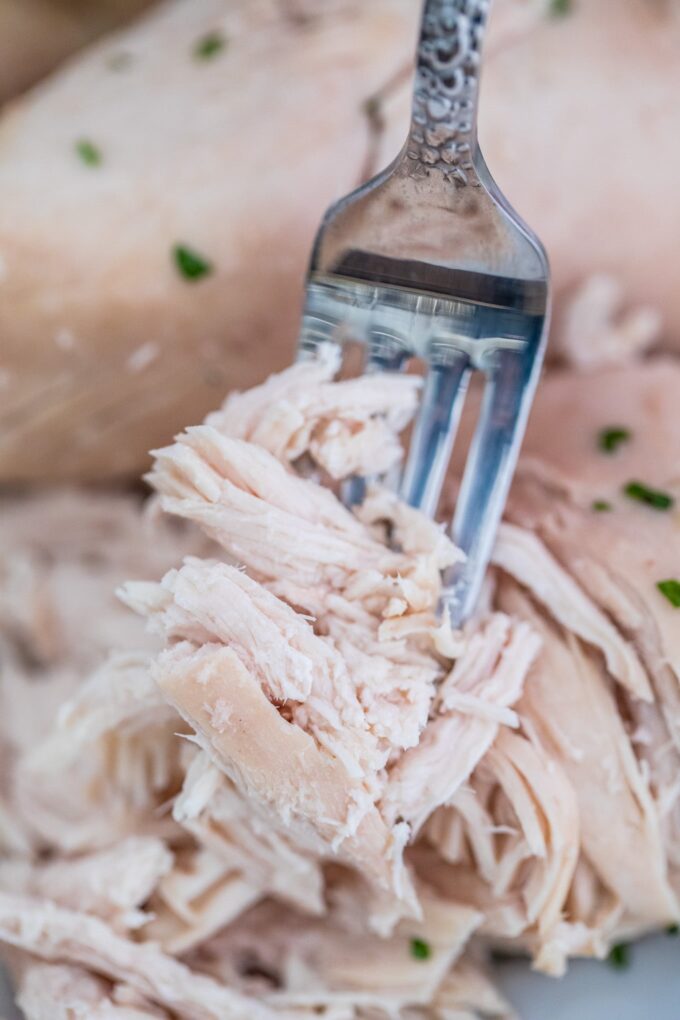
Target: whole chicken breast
{"x": 148, "y": 143}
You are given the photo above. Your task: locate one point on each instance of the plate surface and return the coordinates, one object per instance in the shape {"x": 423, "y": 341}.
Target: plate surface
{"x": 649, "y": 989}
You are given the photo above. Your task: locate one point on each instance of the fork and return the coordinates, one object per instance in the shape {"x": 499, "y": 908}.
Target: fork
{"x": 428, "y": 260}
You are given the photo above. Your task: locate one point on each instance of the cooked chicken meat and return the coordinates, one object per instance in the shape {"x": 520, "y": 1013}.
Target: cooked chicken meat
{"x": 306, "y": 794}
{"x": 145, "y": 143}
{"x": 48, "y": 991}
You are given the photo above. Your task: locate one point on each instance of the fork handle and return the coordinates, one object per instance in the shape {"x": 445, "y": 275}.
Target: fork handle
{"x": 443, "y": 133}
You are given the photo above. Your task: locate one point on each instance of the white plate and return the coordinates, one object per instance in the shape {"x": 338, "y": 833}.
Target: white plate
{"x": 648, "y": 990}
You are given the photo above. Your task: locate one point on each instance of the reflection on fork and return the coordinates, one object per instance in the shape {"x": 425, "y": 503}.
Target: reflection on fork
{"x": 428, "y": 260}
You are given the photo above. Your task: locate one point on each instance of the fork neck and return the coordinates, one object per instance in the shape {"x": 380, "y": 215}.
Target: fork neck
{"x": 443, "y": 132}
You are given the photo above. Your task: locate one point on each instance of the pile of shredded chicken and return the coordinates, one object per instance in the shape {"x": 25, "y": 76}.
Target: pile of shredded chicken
{"x": 293, "y": 790}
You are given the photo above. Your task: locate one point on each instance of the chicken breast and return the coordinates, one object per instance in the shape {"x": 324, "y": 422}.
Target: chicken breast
{"x": 61, "y": 558}
{"x": 52, "y": 991}
{"x": 315, "y": 800}
{"x": 609, "y": 515}
{"x": 109, "y": 764}
{"x": 321, "y": 964}
{"x": 55, "y": 934}
{"x": 508, "y": 845}
{"x": 487, "y": 678}
{"x": 347, "y": 428}
{"x": 620, "y": 823}
{"x": 113, "y": 884}
{"x": 604, "y": 111}
{"x": 166, "y": 125}
{"x": 220, "y": 819}
{"x": 108, "y": 349}
{"x": 314, "y": 791}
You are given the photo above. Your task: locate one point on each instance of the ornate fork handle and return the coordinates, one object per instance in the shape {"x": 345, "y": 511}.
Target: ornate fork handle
{"x": 443, "y": 132}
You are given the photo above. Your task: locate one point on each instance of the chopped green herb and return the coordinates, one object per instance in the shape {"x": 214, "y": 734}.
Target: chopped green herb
{"x": 671, "y": 590}
{"x": 600, "y": 506}
{"x": 651, "y": 497}
{"x": 558, "y": 8}
{"x": 208, "y": 46}
{"x": 88, "y": 152}
{"x": 672, "y": 929}
{"x": 619, "y": 956}
{"x": 420, "y": 950}
{"x": 190, "y": 264}
{"x": 610, "y": 439}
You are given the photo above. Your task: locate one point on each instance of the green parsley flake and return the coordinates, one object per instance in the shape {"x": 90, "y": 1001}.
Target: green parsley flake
{"x": 650, "y": 497}
{"x": 610, "y": 439}
{"x": 600, "y": 506}
{"x": 208, "y": 46}
{"x": 558, "y": 8}
{"x": 420, "y": 950}
{"x": 672, "y": 929}
{"x": 88, "y": 152}
{"x": 190, "y": 264}
{"x": 619, "y": 956}
{"x": 671, "y": 590}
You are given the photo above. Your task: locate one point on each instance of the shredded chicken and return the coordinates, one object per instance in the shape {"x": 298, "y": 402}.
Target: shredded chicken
{"x": 109, "y": 765}
{"x": 347, "y": 428}
{"x": 489, "y": 675}
{"x": 49, "y": 991}
{"x": 113, "y": 884}
{"x": 56, "y": 934}
{"x": 621, "y": 832}
{"x": 597, "y": 331}
{"x": 300, "y": 779}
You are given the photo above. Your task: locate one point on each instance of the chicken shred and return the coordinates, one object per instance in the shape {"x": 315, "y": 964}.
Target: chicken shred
{"x": 300, "y": 792}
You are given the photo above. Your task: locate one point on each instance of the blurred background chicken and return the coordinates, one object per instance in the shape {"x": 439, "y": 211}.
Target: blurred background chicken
{"x": 161, "y": 188}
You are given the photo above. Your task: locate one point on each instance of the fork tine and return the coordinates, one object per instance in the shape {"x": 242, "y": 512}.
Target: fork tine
{"x": 313, "y": 335}
{"x": 386, "y": 353}
{"x": 488, "y": 473}
{"x": 429, "y": 249}
{"x": 435, "y": 428}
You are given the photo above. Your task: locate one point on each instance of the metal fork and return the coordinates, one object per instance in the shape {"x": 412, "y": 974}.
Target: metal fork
{"x": 429, "y": 260}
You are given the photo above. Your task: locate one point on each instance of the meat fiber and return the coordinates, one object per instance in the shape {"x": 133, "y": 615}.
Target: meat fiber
{"x": 306, "y": 794}
{"x": 620, "y": 831}
{"x": 49, "y": 991}
{"x": 56, "y": 934}
{"x": 113, "y": 884}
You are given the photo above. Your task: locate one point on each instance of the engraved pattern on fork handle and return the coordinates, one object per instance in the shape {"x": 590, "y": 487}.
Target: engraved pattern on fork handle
{"x": 443, "y": 132}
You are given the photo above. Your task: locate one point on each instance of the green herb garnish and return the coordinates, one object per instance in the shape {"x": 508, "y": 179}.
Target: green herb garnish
{"x": 610, "y": 439}
{"x": 600, "y": 506}
{"x": 671, "y": 590}
{"x": 420, "y": 950}
{"x": 88, "y": 152}
{"x": 619, "y": 956}
{"x": 558, "y": 8}
{"x": 650, "y": 497}
{"x": 672, "y": 929}
{"x": 190, "y": 264}
{"x": 208, "y": 46}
